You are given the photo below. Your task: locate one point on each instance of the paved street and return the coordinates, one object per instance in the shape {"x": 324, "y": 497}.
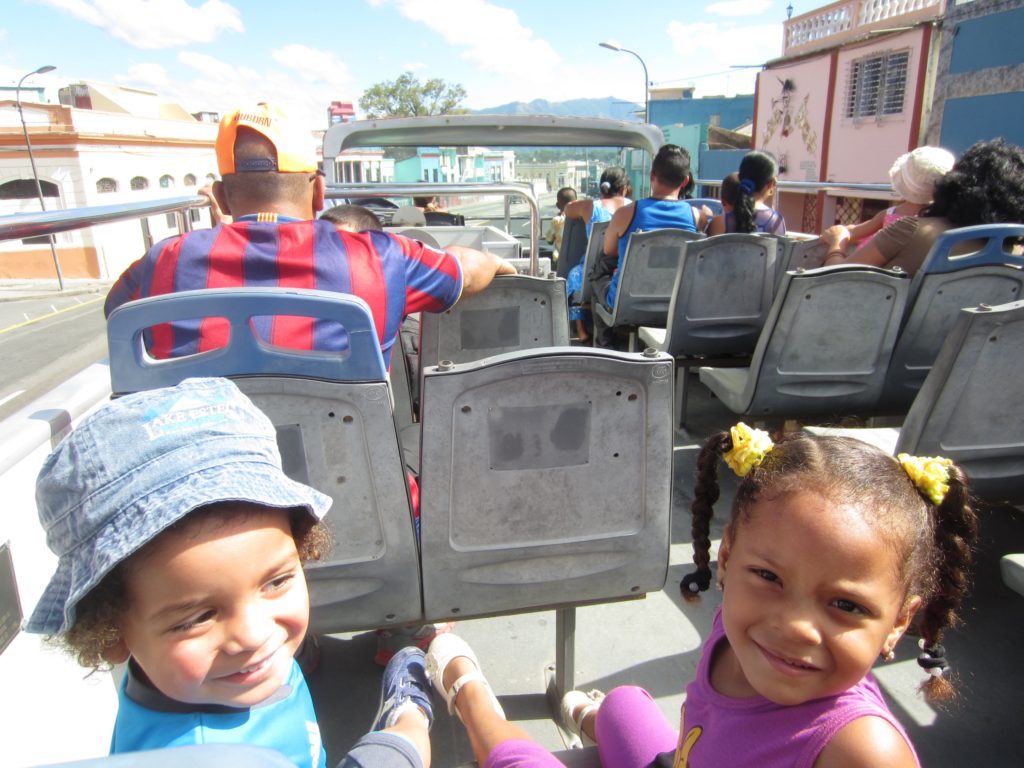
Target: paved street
{"x": 44, "y": 340}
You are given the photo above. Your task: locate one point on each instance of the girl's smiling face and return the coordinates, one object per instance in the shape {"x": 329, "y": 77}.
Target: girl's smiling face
{"x": 812, "y": 596}
{"x": 217, "y": 609}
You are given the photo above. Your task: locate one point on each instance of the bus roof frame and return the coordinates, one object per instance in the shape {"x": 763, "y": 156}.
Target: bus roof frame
{"x": 492, "y": 130}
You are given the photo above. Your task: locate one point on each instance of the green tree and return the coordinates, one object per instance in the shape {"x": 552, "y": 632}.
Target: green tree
{"x": 406, "y": 96}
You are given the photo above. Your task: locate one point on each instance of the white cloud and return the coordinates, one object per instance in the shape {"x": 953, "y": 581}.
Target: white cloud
{"x": 150, "y": 73}
{"x": 156, "y": 23}
{"x": 313, "y": 65}
{"x": 738, "y": 7}
{"x": 413, "y": 66}
{"x": 491, "y": 37}
{"x": 211, "y": 84}
{"x": 707, "y": 47}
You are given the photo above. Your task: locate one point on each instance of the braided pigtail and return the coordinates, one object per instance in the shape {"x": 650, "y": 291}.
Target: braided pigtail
{"x": 705, "y": 494}
{"x": 956, "y": 529}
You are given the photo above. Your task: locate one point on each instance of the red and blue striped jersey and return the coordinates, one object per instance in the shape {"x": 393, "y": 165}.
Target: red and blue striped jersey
{"x": 395, "y": 275}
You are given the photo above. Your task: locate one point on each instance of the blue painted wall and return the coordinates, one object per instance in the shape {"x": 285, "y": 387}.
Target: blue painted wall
{"x": 975, "y": 118}
{"x": 716, "y": 164}
{"x": 733, "y": 111}
{"x": 988, "y": 41}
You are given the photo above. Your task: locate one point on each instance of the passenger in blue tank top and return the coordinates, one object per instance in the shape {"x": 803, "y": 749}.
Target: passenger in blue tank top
{"x": 664, "y": 209}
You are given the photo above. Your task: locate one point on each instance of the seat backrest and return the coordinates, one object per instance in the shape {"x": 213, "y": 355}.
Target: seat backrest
{"x": 574, "y": 244}
{"x": 408, "y": 215}
{"x": 444, "y": 219}
{"x": 595, "y": 249}
{"x": 827, "y": 342}
{"x": 513, "y": 312}
{"x": 713, "y": 204}
{"x": 801, "y": 254}
{"x": 646, "y": 275}
{"x": 335, "y": 428}
{"x": 944, "y": 285}
{"x": 721, "y": 297}
{"x": 546, "y": 479}
{"x": 969, "y": 407}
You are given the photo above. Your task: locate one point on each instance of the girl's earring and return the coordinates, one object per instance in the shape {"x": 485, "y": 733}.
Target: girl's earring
{"x": 720, "y": 585}
{"x": 888, "y": 654}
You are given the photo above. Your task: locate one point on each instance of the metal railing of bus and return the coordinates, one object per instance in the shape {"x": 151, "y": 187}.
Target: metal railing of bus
{"x": 27, "y": 225}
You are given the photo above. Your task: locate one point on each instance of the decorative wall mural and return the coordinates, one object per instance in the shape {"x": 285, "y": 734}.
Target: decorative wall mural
{"x": 784, "y": 120}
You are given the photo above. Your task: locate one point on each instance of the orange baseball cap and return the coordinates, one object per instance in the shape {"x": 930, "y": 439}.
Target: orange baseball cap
{"x": 296, "y": 150}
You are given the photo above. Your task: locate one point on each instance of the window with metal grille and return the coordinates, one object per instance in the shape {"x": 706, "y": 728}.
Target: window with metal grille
{"x": 878, "y": 85}
{"x": 106, "y": 185}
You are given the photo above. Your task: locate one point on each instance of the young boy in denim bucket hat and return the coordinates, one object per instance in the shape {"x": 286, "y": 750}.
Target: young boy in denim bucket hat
{"x": 180, "y": 545}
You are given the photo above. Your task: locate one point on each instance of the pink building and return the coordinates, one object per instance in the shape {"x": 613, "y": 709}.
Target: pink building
{"x": 849, "y": 95}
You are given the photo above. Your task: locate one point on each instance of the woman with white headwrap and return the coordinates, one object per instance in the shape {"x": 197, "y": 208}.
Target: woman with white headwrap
{"x": 985, "y": 186}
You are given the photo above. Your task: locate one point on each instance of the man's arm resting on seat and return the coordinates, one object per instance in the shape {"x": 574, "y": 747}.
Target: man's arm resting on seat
{"x": 478, "y": 268}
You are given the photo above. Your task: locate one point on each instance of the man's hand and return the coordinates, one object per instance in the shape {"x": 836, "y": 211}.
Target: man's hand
{"x": 217, "y": 216}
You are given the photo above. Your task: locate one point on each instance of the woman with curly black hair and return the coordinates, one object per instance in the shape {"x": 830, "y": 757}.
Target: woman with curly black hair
{"x": 985, "y": 186}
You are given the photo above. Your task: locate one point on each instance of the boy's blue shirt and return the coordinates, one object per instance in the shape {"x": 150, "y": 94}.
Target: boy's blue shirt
{"x": 146, "y": 719}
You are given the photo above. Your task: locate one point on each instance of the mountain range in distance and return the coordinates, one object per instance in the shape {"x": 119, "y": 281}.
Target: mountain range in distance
{"x": 609, "y": 107}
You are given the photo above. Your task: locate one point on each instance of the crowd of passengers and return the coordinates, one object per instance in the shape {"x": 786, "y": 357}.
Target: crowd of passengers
{"x": 936, "y": 193}
{"x": 183, "y": 557}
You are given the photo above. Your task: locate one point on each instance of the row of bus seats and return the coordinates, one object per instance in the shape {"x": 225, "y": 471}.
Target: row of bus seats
{"x": 824, "y": 342}
{"x": 482, "y": 238}
{"x": 505, "y": 443}
{"x": 969, "y": 410}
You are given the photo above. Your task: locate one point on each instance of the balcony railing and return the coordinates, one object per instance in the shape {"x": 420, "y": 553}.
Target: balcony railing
{"x": 849, "y": 19}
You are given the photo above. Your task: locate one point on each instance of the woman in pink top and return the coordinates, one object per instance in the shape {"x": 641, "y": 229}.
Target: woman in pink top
{"x": 913, "y": 178}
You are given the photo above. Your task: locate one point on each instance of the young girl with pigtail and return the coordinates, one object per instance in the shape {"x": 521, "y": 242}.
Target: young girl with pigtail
{"x": 833, "y": 548}
{"x": 749, "y": 212}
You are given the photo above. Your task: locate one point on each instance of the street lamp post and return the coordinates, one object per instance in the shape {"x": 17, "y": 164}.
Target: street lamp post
{"x": 615, "y": 47}
{"x": 35, "y": 175}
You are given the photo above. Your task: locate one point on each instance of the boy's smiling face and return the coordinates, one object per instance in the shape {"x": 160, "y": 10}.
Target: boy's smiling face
{"x": 217, "y": 608}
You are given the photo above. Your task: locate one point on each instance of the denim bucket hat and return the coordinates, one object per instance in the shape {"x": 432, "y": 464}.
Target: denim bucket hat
{"x": 141, "y": 463}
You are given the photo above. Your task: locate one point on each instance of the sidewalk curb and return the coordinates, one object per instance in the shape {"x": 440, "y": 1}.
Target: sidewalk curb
{"x": 24, "y": 289}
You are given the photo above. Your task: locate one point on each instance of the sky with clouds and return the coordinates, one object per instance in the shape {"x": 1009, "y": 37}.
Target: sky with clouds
{"x": 214, "y": 54}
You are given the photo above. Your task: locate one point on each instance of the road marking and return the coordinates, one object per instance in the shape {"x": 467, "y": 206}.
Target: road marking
{"x": 11, "y": 396}
{"x": 52, "y": 314}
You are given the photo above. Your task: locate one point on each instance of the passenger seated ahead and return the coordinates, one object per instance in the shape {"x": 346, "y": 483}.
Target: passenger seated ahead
{"x": 665, "y": 208}
{"x": 749, "y": 213}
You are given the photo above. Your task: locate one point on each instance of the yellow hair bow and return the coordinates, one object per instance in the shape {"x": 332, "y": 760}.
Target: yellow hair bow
{"x": 929, "y": 473}
{"x": 749, "y": 447}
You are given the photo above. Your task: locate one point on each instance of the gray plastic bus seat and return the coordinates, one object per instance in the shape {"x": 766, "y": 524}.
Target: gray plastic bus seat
{"x": 546, "y": 481}
{"x": 943, "y": 286}
{"x": 595, "y": 249}
{"x": 401, "y": 383}
{"x": 824, "y": 348}
{"x": 574, "y": 244}
{"x": 415, "y": 233}
{"x": 335, "y": 428}
{"x": 799, "y": 254}
{"x": 408, "y": 215}
{"x": 721, "y": 298}
{"x": 193, "y": 755}
{"x": 713, "y": 204}
{"x": 514, "y": 312}
{"x": 646, "y": 276}
{"x": 969, "y": 408}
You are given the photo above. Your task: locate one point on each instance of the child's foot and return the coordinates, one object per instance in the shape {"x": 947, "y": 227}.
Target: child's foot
{"x": 576, "y": 706}
{"x": 452, "y": 664}
{"x": 405, "y": 686}
{"x": 390, "y": 641}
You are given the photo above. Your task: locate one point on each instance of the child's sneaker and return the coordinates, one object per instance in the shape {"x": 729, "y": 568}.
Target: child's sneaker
{"x": 390, "y": 641}
{"x": 405, "y": 684}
